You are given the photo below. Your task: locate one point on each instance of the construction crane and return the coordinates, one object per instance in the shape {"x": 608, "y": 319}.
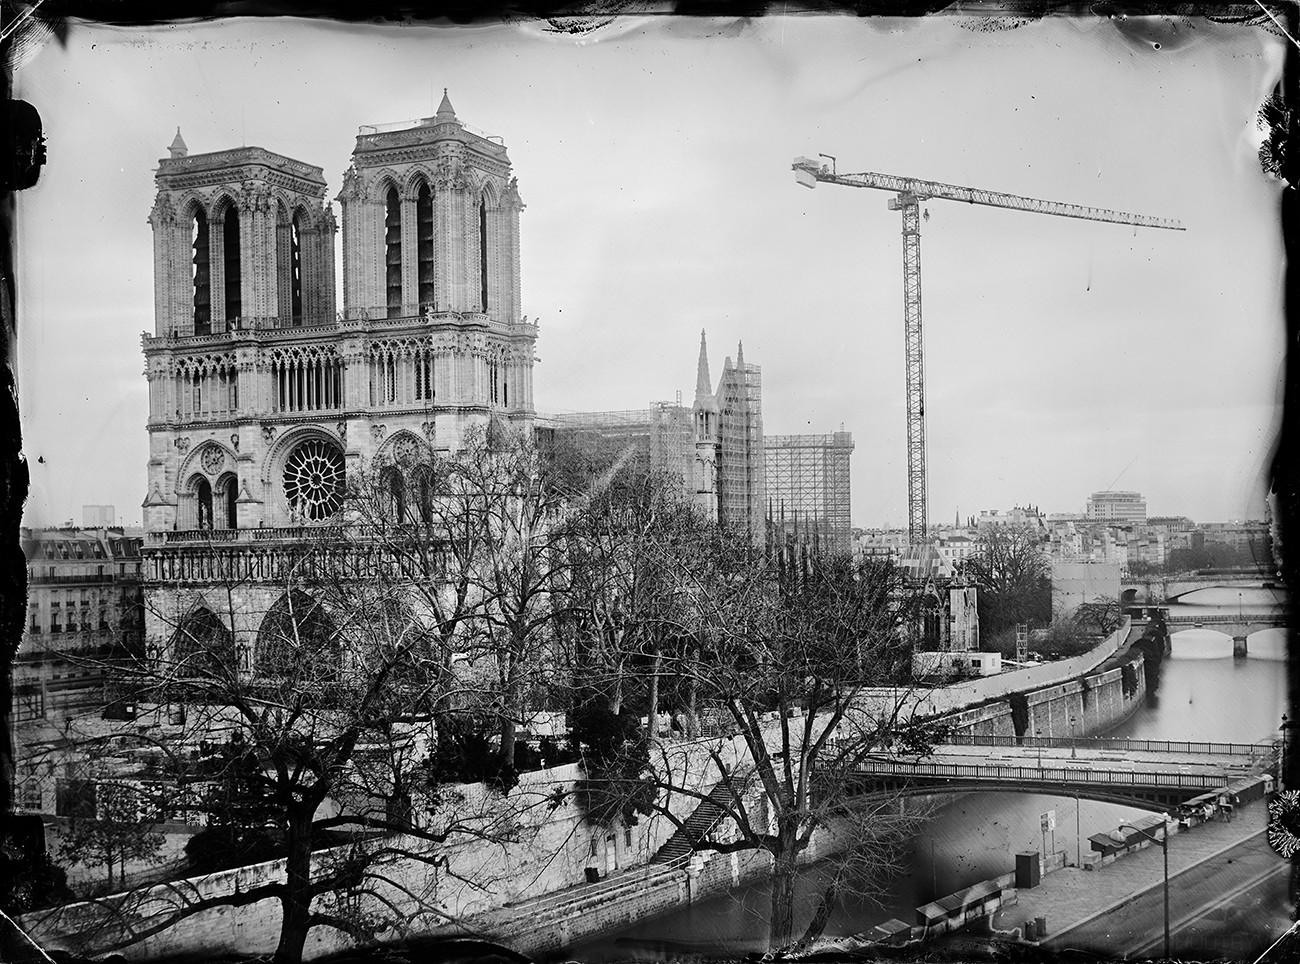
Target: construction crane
{"x": 909, "y": 192}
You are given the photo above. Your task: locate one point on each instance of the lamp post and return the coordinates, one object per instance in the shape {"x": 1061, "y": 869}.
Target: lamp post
{"x": 1074, "y": 754}
{"x": 1163, "y": 840}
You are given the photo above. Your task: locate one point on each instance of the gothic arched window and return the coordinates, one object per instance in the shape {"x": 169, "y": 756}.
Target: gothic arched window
{"x": 424, "y": 239}
{"x": 422, "y": 476}
{"x": 228, "y": 493}
{"x": 231, "y": 263}
{"x": 393, "y": 252}
{"x": 394, "y": 487}
{"x": 314, "y": 480}
{"x": 203, "y": 502}
{"x": 202, "y": 645}
{"x": 295, "y": 268}
{"x": 483, "y": 253}
{"x": 297, "y": 640}
{"x": 202, "y": 274}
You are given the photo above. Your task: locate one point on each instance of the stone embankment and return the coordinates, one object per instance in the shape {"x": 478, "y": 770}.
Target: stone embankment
{"x": 545, "y": 878}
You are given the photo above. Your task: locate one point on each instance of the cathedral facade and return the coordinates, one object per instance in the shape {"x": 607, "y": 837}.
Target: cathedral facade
{"x": 264, "y": 396}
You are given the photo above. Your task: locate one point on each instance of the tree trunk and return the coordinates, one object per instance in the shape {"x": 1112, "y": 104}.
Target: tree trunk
{"x": 692, "y": 716}
{"x": 652, "y": 704}
{"x": 823, "y": 915}
{"x": 296, "y": 902}
{"x": 508, "y": 739}
{"x": 782, "y": 919}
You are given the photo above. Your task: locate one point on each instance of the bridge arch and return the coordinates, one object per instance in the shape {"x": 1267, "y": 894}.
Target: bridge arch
{"x": 1252, "y": 596}
{"x": 1200, "y": 643}
{"x": 1268, "y": 643}
{"x": 1156, "y": 802}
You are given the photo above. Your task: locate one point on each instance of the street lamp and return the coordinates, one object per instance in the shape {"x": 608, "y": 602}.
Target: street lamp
{"x": 1074, "y": 754}
{"x": 1163, "y": 840}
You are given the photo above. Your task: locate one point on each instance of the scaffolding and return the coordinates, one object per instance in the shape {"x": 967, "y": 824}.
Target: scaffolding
{"x": 808, "y": 488}
{"x": 741, "y": 468}
{"x": 659, "y": 437}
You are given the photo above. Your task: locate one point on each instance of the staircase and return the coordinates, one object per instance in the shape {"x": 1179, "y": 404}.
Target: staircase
{"x": 707, "y": 815}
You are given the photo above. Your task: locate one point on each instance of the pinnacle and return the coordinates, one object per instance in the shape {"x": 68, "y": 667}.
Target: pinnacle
{"x": 702, "y": 380}
{"x": 445, "y": 111}
{"x": 177, "y": 147}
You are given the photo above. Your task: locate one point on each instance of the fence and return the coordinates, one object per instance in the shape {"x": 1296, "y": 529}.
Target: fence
{"x": 1078, "y": 775}
{"x": 1110, "y": 743}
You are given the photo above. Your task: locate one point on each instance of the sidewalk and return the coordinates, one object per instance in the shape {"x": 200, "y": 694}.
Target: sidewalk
{"x": 1071, "y": 897}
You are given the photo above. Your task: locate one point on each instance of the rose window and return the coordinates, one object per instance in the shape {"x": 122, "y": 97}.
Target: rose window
{"x": 406, "y": 450}
{"x": 313, "y": 480}
{"x": 212, "y": 458}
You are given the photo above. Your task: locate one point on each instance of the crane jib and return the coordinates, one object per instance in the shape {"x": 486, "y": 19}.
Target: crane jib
{"x": 917, "y": 190}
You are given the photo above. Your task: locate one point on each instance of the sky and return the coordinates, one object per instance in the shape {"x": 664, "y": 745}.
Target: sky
{"x": 1061, "y": 356}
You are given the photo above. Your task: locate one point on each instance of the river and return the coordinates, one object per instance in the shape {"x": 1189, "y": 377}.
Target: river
{"x": 1203, "y": 694}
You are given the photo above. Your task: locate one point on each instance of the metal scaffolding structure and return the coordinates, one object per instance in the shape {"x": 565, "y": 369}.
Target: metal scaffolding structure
{"x": 741, "y": 466}
{"x": 808, "y": 488}
{"x": 660, "y": 437}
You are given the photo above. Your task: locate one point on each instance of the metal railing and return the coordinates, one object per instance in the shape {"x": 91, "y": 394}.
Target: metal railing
{"x": 1276, "y": 616}
{"x": 1044, "y": 775}
{"x": 1105, "y": 743}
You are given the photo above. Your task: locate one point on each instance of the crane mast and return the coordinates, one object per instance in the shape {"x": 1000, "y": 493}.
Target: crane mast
{"x": 909, "y": 192}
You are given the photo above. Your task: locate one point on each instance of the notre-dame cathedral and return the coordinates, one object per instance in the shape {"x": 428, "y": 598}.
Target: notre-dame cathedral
{"x": 263, "y": 397}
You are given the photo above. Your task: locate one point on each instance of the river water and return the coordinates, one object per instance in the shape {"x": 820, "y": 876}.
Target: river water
{"x": 1203, "y": 694}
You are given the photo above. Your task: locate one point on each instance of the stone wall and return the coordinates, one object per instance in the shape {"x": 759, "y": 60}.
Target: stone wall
{"x": 1096, "y": 702}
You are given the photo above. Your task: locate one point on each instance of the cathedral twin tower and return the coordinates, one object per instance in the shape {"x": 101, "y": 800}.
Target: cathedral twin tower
{"x": 263, "y": 398}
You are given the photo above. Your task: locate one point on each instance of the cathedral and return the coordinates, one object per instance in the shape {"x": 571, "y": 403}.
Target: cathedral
{"x": 264, "y": 396}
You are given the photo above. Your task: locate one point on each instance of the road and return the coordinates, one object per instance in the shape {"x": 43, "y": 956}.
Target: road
{"x": 1229, "y": 906}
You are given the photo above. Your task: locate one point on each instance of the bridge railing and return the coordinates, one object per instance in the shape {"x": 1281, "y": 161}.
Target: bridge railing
{"x": 1273, "y": 616}
{"x": 1104, "y": 744}
{"x": 1043, "y": 775}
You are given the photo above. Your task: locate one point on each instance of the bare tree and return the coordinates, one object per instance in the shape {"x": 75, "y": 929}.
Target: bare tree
{"x": 1011, "y": 571}
{"x": 789, "y": 659}
{"x": 323, "y": 713}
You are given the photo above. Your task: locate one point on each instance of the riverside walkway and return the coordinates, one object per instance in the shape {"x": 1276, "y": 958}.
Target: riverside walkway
{"x": 1118, "y": 908}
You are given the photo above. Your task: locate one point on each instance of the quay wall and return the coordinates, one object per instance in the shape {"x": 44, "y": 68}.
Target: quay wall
{"x": 1095, "y": 702}
{"x": 537, "y": 873}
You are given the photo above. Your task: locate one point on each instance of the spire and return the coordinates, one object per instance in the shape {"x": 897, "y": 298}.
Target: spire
{"x": 177, "y": 147}
{"x": 740, "y": 355}
{"x": 702, "y": 386}
{"x": 446, "y": 113}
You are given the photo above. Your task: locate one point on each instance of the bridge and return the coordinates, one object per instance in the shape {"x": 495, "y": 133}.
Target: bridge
{"x": 1150, "y": 774}
{"x": 1166, "y": 588}
{"x": 1239, "y": 625}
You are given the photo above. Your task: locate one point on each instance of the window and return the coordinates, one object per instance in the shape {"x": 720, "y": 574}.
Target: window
{"x": 295, "y": 270}
{"x": 29, "y": 796}
{"x": 393, "y": 252}
{"x": 203, "y": 497}
{"x": 200, "y": 275}
{"x": 230, "y": 260}
{"x": 482, "y": 253}
{"x": 314, "y": 480}
{"x": 424, "y": 244}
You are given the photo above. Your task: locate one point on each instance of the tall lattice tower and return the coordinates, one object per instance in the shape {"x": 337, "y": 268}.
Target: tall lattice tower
{"x": 741, "y": 469}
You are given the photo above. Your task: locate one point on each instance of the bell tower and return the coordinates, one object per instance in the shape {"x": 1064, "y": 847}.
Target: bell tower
{"x": 431, "y": 275}
{"x": 243, "y": 259}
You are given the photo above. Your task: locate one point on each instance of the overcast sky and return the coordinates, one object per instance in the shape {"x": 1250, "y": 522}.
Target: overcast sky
{"x": 654, "y": 157}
